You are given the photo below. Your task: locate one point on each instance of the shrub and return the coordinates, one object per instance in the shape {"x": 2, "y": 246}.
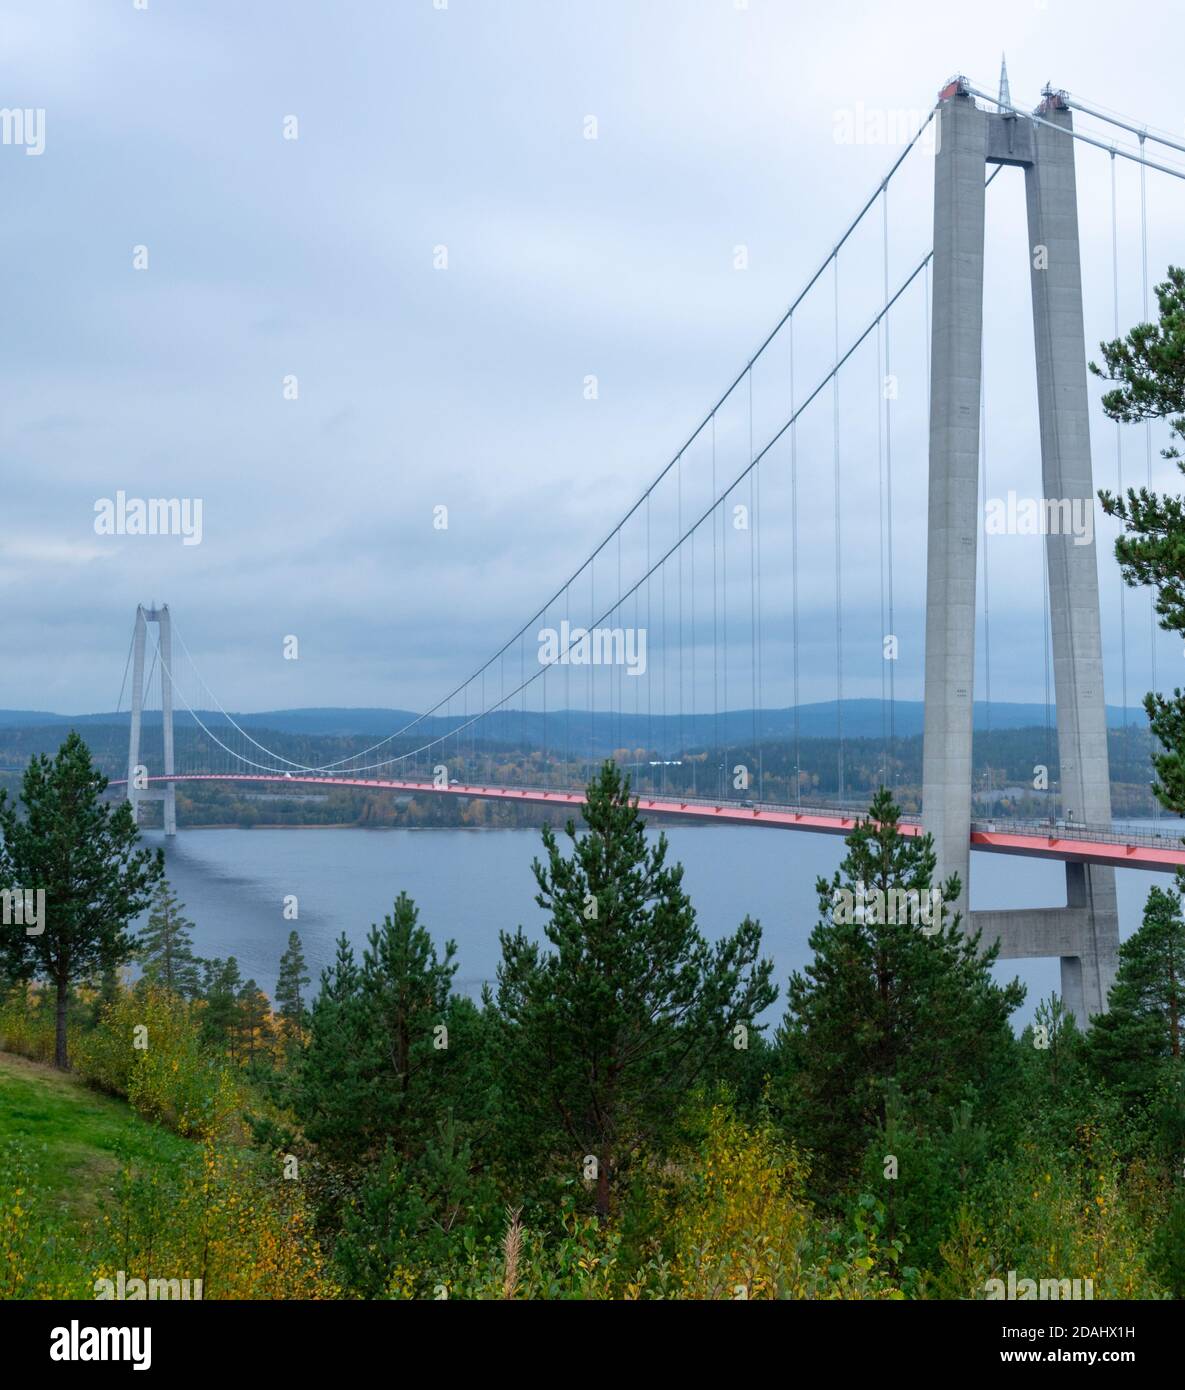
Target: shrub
{"x": 227, "y": 1218}
{"x": 164, "y": 1071}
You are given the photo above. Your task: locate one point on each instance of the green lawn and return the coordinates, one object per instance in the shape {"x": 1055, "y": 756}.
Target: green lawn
{"x": 73, "y": 1138}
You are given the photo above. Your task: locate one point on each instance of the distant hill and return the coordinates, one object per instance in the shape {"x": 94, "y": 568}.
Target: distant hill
{"x": 600, "y": 731}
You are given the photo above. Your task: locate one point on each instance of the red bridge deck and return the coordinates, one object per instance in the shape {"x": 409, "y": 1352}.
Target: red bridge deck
{"x": 1080, "y": 844}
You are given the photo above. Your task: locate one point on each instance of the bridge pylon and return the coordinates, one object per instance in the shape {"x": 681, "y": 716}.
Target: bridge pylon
{"x": 137, "y": 790}
{"x": 1084, "y": 933}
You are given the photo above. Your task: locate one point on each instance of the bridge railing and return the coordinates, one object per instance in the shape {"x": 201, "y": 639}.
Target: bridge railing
{"x": 1061, "y": 829}
{"x": 1045, "y": 827}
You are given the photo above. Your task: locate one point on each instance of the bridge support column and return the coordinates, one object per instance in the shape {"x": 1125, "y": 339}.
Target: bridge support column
{"x": 1056, "y": 274}
{"x": 134, "y": 794}
{"x": 165, "y": 628}
{"x": 953, "y": 521}
{"x": 168, "y": 795}
{"x": 1085, "y": 933}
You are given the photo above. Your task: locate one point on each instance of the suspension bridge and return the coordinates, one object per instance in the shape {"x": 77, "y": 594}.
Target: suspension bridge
{"x": 699, "y": 595}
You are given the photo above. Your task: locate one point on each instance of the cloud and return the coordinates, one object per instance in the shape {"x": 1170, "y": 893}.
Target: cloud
{"x": 568, "y": 259}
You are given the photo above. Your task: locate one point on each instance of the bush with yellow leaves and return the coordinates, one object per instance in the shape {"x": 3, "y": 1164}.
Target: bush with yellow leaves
{"x": 228, "y": 1218}
{"x": 736, "y": 1224}
{"x": 27, "y": 1023}
{"x": 146, "y": 1047}
{"x": 1049, "y": 1217}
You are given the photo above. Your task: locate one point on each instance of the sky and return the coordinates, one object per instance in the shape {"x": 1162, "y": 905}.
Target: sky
{"x": 225, "y": 282}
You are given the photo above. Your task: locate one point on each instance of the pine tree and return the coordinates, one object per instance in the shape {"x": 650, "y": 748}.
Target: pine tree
{"x": 890, "y": 1002}
{"x": 221, "y": 983}
{"x": 164, "y": 949}
{"x": 409, "y": 1212}
{"x": 600, "y": 1036}
{"x": 253, "y": 1020}
{"x": 1149, "y": 367}
{"x": 1130, "y": 1045}
{"x": 83, "y": 853}
{"x": 377, "y": 1072}
{"x": 331, "y": 1089}
{"x": 293, "y": 978}
{"x": 405, "y": 993}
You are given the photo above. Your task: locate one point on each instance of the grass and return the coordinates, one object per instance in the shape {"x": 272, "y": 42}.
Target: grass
{"x": 73, "y": 1138}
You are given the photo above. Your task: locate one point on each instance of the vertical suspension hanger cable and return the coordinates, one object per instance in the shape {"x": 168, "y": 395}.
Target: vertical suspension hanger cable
{"x": 724, "y": 529}
{"x": 926, "y": 310}
{"x": 522, "y": 669}
{"x": 752, "y": 577}
{"x": 679, "y": 524}
{"x": 987, "y": 605}
{"x": 716, "y": 750}
{"x": 694, "y": 643}
{"x": 1119, "y": 452}
{"x": 568, "y": 688}
{"x": 1046, "y": 645}
{"x": 881, "y": 393}
{"x": 666, "y": 708}
{"x": 760, "y": 643}
{"x": 649, "y": 664}
{"x": 794, "y": 570}
{"x": 1147, "y": 423}
{"x": 889, "y": 501}
{"x": 592, "y": 614}
{"x": 620, "y": 690}
{"x": 637, "y": 693}
{"x": 926, "y": 336}
{"x": 838, "y": 544}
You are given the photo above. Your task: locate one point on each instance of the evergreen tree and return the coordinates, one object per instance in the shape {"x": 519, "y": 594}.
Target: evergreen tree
{"x": 221, "y": 983}
{"x": 254, "y": 1018}
{"x": 891, "y": 1001}
{"x": 164, "y": 949}
{"x": 599, "y": 1037}
{"x": 330, "y": 1089}
{"x": 1149, "y": 369}
{"x": 375, "y": 1074}
{"x": 293, "y": 978}
{"x": 411, "y": 1213}
{"x": 405, "y": 994}
{"x": 1141, "y": 1031}
{"x": 83, "y": 853}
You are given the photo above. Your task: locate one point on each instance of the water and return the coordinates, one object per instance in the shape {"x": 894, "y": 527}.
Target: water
{"x": 472, "y": 884}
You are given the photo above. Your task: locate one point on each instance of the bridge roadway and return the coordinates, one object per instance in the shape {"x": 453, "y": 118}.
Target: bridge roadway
{"x": 1120, "y": 848}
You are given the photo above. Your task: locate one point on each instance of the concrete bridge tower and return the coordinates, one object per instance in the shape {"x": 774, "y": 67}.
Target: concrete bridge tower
{"x": 1085, "y": 932}
{"x": 136, "y": 791}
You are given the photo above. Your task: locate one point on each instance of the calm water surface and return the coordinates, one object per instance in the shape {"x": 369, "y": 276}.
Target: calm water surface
{"x": 471, "y": 884}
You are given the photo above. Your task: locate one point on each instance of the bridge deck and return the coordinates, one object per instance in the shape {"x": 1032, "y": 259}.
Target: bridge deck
{"x": 1121, "y": 849}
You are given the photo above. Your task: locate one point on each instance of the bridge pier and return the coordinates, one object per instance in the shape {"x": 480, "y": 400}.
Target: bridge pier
{"x": 167, "y": 794}
{"x": 1085, "y": 933}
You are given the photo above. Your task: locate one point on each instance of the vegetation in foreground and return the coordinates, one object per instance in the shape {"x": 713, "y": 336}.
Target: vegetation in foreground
{"x": 613, "y": 1120}
{"x": 616, "y": 1119}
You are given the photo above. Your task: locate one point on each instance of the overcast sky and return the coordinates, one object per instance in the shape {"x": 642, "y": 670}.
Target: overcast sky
{"x": 419, "y": 387}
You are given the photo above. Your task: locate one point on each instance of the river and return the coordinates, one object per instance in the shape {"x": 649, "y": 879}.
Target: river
{"x": 471, "y": 884}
